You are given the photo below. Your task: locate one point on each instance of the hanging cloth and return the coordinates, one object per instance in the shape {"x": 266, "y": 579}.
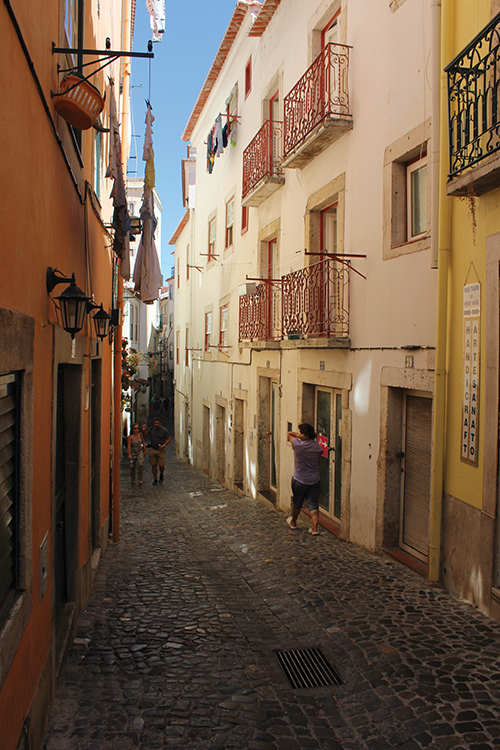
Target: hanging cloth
{"x": 218, "y": 136}
{"x": 121, "y": 220}
{"x": 147, "y": 273}
{"x": 156, "y": 10}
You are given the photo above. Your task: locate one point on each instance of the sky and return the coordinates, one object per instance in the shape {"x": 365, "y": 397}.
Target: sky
{"x": 193, "y": 33}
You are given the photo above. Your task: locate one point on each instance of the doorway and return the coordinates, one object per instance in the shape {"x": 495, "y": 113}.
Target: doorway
{"x": 239, "y": 443}
{"x": 206, "y": 449}
{"x": 95, "y": 451}
{"x": 67, "y": 482}
{"x": 220, "y": 445}
{"x": 328, "y": 419}
{"x": 415, "y": 458}
{"x": 268, "y": 438}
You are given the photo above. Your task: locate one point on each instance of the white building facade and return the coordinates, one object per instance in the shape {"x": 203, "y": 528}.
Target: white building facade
{"x": 141, "y": 321}
{"x": 305, "y": 263}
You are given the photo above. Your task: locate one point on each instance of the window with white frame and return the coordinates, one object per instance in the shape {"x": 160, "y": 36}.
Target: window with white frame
{"x": 224, "y": 331}
{"x": 212, "y": 236}
{"x": 229, "y": 222}
{"x": 416, "y": 199}
{"x": 208, "y": 331}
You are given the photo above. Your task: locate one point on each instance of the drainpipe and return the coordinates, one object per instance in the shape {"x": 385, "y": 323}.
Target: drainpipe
{"x": 443, "y": 258}
{"x": 435, "y": 75}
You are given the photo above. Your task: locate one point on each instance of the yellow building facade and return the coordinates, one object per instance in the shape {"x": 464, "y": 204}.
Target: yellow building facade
{"x": 464, "y": 552}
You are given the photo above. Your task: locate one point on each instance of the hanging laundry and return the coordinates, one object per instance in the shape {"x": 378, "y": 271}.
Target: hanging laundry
{"x": 148, "y": 139}
{"x": 218, "y": 136}
{"x": 147, "y": 273}
{"x": 121, "y": 219}
{"x": 156, "y": 10}
{"x": 224, "y": 136}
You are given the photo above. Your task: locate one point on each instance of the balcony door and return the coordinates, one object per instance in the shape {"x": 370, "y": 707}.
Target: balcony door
{"x": 274, "y": 133}
{"x": 270, "y": 271}
{"x": 330, "y": 35}
{"x": 328, "y": 416}
{"x": 325, "y": 306}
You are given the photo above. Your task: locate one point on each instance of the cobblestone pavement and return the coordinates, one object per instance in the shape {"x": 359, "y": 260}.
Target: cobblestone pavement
{"x": 176, "y": 646}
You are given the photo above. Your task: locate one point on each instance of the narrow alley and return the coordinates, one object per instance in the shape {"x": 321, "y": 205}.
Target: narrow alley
{"x": 176, "y": 647}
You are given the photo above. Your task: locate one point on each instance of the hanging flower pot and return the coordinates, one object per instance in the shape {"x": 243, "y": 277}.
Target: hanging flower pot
{"x": 78, "y": 101}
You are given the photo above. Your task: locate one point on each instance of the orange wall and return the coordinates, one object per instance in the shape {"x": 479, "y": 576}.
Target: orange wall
{"x": 43, "y": 225}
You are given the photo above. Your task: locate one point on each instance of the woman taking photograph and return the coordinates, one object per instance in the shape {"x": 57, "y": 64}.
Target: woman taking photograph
{"x": 305, "y": 481}
{"x": 136, "y": 452}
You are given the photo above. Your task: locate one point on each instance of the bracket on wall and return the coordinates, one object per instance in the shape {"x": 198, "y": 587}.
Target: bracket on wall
{"x": 340, "y": 257}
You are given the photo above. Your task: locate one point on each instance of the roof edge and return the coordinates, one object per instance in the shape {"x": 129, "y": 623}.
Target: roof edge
{"x": 179, "y": 229}
{"x": 239, "y": 13}
{"x": 264, "y": 18}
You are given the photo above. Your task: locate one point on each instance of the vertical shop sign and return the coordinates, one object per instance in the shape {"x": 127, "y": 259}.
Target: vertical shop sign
{"x": 471, "y": 355}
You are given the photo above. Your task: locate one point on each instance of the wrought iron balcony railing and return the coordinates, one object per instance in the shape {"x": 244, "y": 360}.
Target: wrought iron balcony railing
{"x": 260, "y": 313}
{"x": 262, "y": 157}
{"x": 316, "y": 301}
{"x": 474, "y": 100}
{"x": 310, "y": 303}
{"x": 321, "y": 92}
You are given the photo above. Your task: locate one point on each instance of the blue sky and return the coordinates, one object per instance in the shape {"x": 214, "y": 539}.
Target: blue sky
{"x": 193, "y": 32}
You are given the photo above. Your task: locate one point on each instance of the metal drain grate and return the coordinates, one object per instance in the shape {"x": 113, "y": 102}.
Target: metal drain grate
{"x": 307, "y": 667}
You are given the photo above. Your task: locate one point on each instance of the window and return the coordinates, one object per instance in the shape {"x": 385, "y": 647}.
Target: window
{"x": 232, "y": 111}
{"x": 9, "y": 455}
{"x": 211, "y": 239}
{"x": 131, "y": 321}
{"x": 416, "y": 199}
{"x": 71, "y": 25}
{"x": 136, "y": 329}
{"x": 248, "y": 78}
{"x": 187, "y": 262}
{"x": 407, "y": 194}
{"x": 328, "y": 228}
{"x": 224, "y": 333}
{"x": 187, "y": 346}
{"x": 208, "y": 330}
{"x": 97, "y": 164}
{"x": 178, "y": 273}
{"x": 229, "y": 222}
{"x": 177, "y": 347}
{"x": 244, "y": 219}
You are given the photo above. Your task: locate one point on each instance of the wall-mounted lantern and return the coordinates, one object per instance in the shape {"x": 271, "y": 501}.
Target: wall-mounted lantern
{"x": 72, "y": 302}
{"x": 102, "y": 322}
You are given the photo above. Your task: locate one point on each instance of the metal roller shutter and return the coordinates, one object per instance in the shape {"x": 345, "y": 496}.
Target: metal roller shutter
{"x": 417, "y": 475}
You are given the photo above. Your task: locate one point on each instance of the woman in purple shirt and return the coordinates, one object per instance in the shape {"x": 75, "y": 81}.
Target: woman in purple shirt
{"x": 305, "y": 481}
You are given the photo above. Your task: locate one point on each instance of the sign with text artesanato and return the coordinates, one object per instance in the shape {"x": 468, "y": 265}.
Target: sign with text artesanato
{"x": 470, "y": 376}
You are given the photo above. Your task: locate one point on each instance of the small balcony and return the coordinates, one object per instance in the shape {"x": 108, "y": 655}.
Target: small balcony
{"x": 262, "y": 170}
{"x": 474, "y": 115}
{"x": 307, "y": 308}
{"x": 316, "y": 111}
{"x": 260, "y": 313}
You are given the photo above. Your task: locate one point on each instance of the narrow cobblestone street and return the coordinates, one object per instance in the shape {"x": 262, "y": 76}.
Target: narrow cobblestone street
{"x": 176, "y": 646}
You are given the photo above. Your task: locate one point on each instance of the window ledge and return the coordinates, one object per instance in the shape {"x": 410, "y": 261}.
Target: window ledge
{"x": 415, "y": 246}
{"x": 477, "y": 180}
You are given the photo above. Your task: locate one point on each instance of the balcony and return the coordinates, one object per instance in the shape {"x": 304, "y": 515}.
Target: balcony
{"x": 316, "y": 111}
{"x": 260, "y": 313}
{"x": 309, "y": 307}
{"x": 474, "y": 115}
{"x": 262, "y": 170}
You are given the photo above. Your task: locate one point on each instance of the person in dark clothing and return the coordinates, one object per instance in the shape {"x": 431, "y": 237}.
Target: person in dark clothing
{"x": 305, "y": 481}
{"x": 158, "y": 438}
